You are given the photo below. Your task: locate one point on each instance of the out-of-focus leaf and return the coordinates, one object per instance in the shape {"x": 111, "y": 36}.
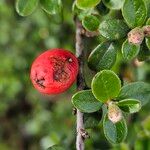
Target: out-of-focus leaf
{"x": 137, "y": 90}
{"x": 134, "y": 12}
{"x": 90, "y": 23}
{"x": 86, "y": 102}
{"x": 26, "y": 7}
{"x": 130, "y": 105}
{"x": 103, "y": 56}
{"x": 129, "y": 51}
{"x": 115, "y": 133}
{"x": 114, "y": 4}
{"x": 113, "y": 29}
{"x": 86, "y": 4}
{"x": 52, "y": 6}
{"x": 106, "y": 85}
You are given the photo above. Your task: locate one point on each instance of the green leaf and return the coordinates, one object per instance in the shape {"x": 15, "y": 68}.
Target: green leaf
{"x": 26, "y": 7}
{"x": 51, "y": 6}
{"x": 147, "y": 2}
{"x": 114, "y": 4}
{"x": 147, "y": 39}
{"x": 92, "y": 120}
{"x": 90, "y": 23}
{"x": 134, "y": 12}
{"x": 55, "y": 147}
{"x": 103, "y": 56}
{"x": 129, "y": 51}
{"x": 144, "y": 53}
{"x": 86, "y": 102}
{"x": 130, "y": 105}
{"x": 115, "y": 133}
{"x": 106, "y": 85}
{"x": 136, "y": 90}
{"x": 86, "y": 4}
{"x": 113, "y": 29}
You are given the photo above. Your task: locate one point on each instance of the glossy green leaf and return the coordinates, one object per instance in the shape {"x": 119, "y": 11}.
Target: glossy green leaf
{"x": 26, "y": 7}
{"x": 56, "y": 147}
{"x": 90, "y": 23}
{"x": 115, "y": 133}
{"x": 134, "y": 12}
{"x": 130, "y": 105}
{"x": 92, "y": 120}
{"x": 86, "y": 4}
{"x": 114, "y": 4}
{"x": 113, "y": 29}
{"x": 136, "y": 90}
{"x": 86, "y": 102}
{"x": 129, "y": 51}
{"x": 51, "y": 6}
{"x": 103, "y": 56}
{"x": 106, "y": 85}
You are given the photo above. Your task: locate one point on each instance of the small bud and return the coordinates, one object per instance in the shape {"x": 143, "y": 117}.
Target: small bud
{"x": 136, "y": 36}
{"x": 146, "y": 30}
{"x": 114, "y": 113}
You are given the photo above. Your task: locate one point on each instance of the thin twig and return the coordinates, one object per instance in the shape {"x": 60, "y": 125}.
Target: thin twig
{"x": 80, "y": 85}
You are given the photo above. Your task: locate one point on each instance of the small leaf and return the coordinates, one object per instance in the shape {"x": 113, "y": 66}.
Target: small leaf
{"x": 147, "y": 39}
{"x": 26, "y": 7}
{"x": 86, "y": 102}
{"x": 103, "y": 56}
{"x": 113, "y": 29}
{"x": 114, "y": 4}
{"x": 130, "y": 105}
{"x": 136, "y": 90}
{"x": 51, "y": 6}
{"x": 134, "y": 12}
{"x": 115, "y": 133}
{"x": 92, "y": 120}
{"x": 106, "y": 85}
{"x": 86, "y": 4}
{"x": 147, "y": 42}
{"x": 129, "y": 51}
{"x": 55, "y": 147}
{"x": 144, "y": 53}
{"x": 90, "y": 23}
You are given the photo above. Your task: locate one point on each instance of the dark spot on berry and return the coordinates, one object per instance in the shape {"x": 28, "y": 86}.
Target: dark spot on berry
{"x": 40, "y": 82}
{"x": 59, "y": 73}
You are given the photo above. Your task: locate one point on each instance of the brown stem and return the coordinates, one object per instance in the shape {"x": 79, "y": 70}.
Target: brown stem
{"x": 80, "y": 85}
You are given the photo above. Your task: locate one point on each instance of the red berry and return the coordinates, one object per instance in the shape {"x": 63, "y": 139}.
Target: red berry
{"x": 54, "y": 71}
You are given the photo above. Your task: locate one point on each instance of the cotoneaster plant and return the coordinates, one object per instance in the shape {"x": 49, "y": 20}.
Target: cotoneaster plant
{"x": 122, "y": 28}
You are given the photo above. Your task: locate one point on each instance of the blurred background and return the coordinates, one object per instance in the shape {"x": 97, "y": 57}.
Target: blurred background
{"x": 31, "y": 121}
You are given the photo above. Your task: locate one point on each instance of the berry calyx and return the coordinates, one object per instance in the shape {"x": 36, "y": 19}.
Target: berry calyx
{"x": 114, "y": 113}
{"x": 136, "y": 36}
{"x": 54, "y": 71}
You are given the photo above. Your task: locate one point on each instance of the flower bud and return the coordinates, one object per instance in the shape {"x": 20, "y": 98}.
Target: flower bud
{"x": 146, "y": 30}
{"x": 136, "y": 36}
{"x": 114, "y": 113}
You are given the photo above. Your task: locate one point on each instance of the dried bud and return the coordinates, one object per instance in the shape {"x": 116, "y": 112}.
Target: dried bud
{"x": 136, "y": 36}
{"x": 146, "y": 30}
{"x": 114, "y": 113}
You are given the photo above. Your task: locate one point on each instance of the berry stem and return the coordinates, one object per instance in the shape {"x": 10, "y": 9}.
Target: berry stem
{"x": 80, "y": 84}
